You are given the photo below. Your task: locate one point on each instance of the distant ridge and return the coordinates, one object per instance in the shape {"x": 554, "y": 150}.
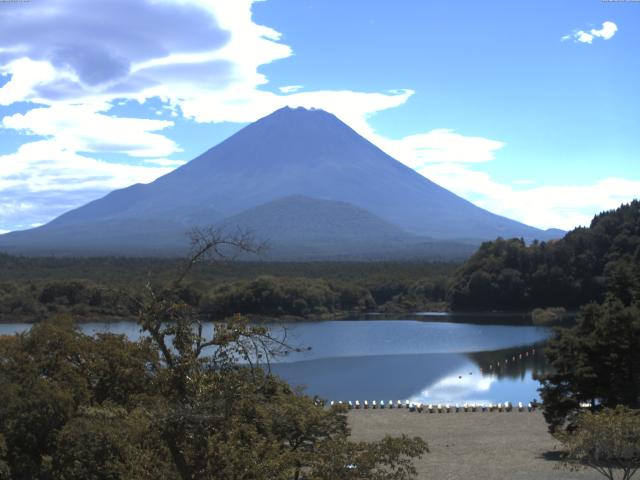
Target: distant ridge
{"x": 302, "y": 177}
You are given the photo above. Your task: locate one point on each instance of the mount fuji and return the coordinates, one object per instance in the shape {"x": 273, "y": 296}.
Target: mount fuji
{"x": 300, "y": 179}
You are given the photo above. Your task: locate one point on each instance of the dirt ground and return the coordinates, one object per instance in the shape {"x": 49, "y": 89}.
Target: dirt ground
{"x": 473, "y": 445}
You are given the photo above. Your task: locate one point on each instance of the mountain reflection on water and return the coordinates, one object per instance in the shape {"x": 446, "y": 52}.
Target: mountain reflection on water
{"x": 428, "y": 361}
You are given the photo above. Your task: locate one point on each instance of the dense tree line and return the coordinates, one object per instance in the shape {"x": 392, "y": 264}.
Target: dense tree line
{"x": 37, "y": 288}
{"x": 582, "y": 267}
{"x": 274, "y": 297}
{"x": 38, "y": 300}
{"x": 134, "y": 271}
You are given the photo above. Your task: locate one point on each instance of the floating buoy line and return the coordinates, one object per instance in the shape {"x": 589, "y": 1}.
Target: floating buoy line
{"x": 514, "y": 359}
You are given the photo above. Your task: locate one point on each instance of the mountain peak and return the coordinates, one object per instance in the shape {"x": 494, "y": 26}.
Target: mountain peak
{"x": 291, "y": 152}
{"x": 297, "y": 117}
{"x": 287, "y": 110}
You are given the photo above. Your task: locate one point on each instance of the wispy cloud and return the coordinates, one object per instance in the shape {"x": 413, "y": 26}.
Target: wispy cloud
{"x": 607, "y": 31}
{"x": 441, "y": 146}
{"x": 87, "y": 128}
{"x": 562, "y": 205}
{"x": 290, "y": 88}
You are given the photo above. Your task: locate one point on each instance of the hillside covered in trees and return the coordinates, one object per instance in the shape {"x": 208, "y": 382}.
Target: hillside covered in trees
{"x": 584, "y": 266}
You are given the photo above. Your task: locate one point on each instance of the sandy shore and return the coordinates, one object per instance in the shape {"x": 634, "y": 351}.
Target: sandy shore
{"x": 473, "y": 446}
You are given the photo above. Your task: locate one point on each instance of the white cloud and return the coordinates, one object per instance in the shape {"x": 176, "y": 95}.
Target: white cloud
{"x": 165, "y": 162}
{"x": 607, "y": 31}
{"x": 583, "y": 37}
{"x": 290, "y": 88}
{"x": 48, "y": 165}
{"x": 441, "y": 146}
{"x": 85, "y": 128}
{"x": 550, "y": 206}
{"x": 26, "y": 75}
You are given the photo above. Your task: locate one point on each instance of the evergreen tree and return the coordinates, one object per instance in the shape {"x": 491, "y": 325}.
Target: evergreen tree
{"x": 596, "y": 362}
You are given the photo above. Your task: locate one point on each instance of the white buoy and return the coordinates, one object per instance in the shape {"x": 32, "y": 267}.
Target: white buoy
{"x": 473, "y": 407}
{"x": 350, "y": 405}
{"x": 406, "y": 404}
{"x": 332, "y": 403}
{"x": 457, "y": 408}
{"x": 448, "y": 407}
{"x": 529, "y": 407}
{"x": 439, "y": 408}
{"x": 420, "y": 407}
{"x": 520, "y": 407}
{"x": 412, "y": 407}
{"x": 381, "y": 403}
{"x": 374, "y": 404}
{"x": 366, "y": 404}
{"x": 390, "y": 403}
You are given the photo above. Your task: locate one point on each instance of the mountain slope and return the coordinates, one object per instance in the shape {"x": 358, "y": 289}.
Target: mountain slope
{"x": 292, "y": 152}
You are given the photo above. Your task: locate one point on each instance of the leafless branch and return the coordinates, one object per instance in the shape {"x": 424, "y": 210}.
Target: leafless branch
{"x": 213, "y": 242}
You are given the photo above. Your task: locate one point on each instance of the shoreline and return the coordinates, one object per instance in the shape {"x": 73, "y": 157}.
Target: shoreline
{"x": 502, "y": 318}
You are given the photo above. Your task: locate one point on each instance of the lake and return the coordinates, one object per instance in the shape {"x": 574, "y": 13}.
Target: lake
{"x": 430, "y": 361}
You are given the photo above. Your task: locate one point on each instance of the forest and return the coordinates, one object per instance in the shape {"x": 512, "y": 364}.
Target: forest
{"x": 584, "y": 266}
{"x": 34, "y": 288}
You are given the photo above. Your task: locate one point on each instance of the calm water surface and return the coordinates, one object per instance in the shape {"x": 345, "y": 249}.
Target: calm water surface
{"x": 427, "y": 361}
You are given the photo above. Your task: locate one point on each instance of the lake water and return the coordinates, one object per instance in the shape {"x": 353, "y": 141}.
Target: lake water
{"x": 426, "y": 361}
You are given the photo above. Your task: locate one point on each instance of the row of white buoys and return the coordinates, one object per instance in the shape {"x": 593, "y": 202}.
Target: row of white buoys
{"x": 513, "y": 359}
{"x": 437, "y": 408}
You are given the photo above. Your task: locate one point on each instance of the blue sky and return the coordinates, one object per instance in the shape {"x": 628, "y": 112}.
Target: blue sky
{"x": 529, "y": 109}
